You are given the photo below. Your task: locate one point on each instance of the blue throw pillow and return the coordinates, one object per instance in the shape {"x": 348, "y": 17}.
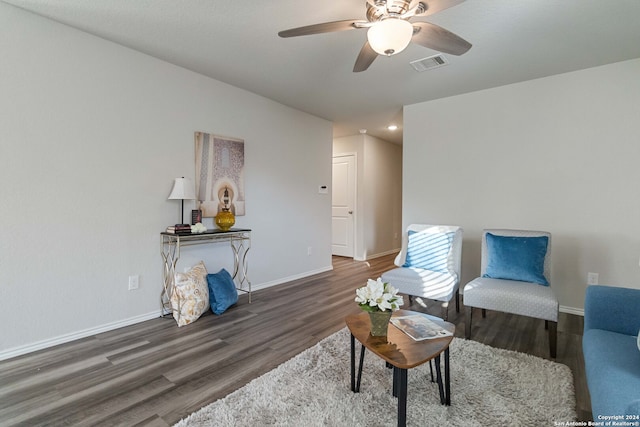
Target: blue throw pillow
{"x": 429, "y": 251}
{"x": 222, "y": 291}
{"x": 516, "y": 258}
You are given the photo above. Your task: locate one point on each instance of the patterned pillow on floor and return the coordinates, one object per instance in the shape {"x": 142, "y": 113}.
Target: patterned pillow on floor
{"x": 190, "y": 298}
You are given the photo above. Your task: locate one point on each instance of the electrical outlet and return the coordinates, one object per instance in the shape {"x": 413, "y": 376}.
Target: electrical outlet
{"x": 592, "y": 278}
{"x": 309, "y": 251}
{"x": 134, "y": 282}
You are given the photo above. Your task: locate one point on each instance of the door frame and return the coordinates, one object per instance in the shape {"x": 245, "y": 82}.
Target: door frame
{"x": 355, "y": 196}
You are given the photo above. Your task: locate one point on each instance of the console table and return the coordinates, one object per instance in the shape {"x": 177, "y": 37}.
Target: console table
{"x": 239, "y": 240}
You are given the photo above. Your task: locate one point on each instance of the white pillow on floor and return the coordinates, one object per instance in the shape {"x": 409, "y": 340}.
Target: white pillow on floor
{"x": 190, "y": 298}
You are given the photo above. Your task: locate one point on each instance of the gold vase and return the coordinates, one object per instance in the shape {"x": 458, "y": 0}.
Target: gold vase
{"x": 225, "y": 219}
{"x": 379, "y": 322}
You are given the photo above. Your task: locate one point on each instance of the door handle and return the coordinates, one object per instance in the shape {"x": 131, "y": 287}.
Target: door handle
{"x": 350, "y": 212}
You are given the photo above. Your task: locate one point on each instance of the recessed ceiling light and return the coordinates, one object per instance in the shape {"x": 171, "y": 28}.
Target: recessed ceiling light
{"x": 392, "y": 127}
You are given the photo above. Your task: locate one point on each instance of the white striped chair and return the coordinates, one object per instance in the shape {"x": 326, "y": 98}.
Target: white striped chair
{"x": 429, "y": 264}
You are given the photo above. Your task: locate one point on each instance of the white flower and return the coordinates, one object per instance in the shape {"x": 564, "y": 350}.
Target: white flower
{"x": 378, "y": 296}
{"x": 198, "y": 228}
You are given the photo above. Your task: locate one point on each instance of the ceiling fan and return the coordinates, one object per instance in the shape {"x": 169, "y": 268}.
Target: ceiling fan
{"x": 390, "y": 30}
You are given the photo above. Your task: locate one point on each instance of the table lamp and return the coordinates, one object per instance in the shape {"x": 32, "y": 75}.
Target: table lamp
{"x": 183, "y": 190}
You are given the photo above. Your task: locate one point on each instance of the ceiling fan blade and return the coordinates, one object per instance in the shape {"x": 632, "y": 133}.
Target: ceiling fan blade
{"x": 435, "y": 6}
{"x": 437, "y": 38}
{"x": 326, "y": 27}
{"x": 365, "y": 58}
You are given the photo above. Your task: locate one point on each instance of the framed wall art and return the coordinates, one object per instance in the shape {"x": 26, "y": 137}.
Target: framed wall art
{"x": 219, "y": 174}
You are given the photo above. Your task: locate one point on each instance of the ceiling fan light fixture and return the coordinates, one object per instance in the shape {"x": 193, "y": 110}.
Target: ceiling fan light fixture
{"x": 390, "y": 36}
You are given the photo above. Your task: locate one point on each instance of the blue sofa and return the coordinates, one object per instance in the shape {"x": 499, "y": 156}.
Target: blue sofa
{"x": 611, "y": 354}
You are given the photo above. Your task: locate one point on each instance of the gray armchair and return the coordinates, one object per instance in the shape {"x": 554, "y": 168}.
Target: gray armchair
{"x": 429, "y": 264}
{"x": 515, "y": 278}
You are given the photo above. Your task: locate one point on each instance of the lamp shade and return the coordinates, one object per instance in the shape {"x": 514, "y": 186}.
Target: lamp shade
{"x": 182, "y": 189}
{"x": 390, "y": 36}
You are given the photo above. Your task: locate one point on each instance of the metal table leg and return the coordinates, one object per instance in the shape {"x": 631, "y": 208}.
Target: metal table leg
{"x": 439, "y": 379}
{"x": 360, "y": 368}
{"x": 401, "y": 374}
{"x": 396, "y": 379}
{"x": 355, "y": 386}
{"x": 240, "y": 246}
{"x": 447, "y": 378}
{"x": 353, "y": 363}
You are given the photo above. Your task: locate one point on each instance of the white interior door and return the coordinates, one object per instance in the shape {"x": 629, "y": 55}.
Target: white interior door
{"x": 343, "y": 199}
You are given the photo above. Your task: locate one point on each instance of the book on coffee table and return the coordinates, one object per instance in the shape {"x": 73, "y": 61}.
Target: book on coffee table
{"x": 419, "y": 327}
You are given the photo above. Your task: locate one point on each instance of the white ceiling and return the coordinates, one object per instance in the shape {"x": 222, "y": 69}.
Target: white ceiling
{"x": 236, "y": 42}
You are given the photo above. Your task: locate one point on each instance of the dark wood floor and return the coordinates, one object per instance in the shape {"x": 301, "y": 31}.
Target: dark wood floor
{"x": 155, "y": 373}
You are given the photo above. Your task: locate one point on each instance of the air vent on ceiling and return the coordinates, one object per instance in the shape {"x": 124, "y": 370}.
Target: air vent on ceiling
{"x": 429, "y": 63}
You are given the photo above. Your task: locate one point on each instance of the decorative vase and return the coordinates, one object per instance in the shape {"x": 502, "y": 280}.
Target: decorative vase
{"x": 379, "y": 322}
{"x": 225, "y": 219}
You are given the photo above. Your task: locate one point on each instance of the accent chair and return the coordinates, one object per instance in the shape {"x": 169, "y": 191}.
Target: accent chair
{"x": 428, "y": 264}
{"x": 515, "y": 278}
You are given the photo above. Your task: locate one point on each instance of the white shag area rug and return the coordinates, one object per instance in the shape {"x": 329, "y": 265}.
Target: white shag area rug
{"x": 489, "y": 387}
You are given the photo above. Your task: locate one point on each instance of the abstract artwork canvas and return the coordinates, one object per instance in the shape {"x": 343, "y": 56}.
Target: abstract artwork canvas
{"x": 219, "y": 174}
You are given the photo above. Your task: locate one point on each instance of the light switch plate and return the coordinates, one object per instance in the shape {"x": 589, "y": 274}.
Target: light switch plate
{"x": 134, "y": 282}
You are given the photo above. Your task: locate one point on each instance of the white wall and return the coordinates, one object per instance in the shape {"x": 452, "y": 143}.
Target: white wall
{"x": 382, "y": 196}
{"x": 560, "y": 154}
{"x": 379, "y": 194}
{"x": 92, "y": 136}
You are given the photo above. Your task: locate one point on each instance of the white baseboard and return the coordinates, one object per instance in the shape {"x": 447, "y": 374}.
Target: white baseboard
{"x": 572, "y": 310}
{"x": 290, "y": 278}
{"x": 381, "y": 254}
{"x": 378, "y": 255}
{"x": 50, "y": 342}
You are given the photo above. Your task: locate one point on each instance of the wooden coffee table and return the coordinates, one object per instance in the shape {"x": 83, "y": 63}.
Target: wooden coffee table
{"x": 402, "y": 353}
